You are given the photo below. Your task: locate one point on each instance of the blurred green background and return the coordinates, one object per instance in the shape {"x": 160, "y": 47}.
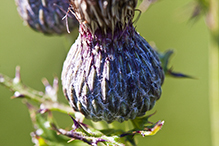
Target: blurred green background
{"x": 184, "y": 104}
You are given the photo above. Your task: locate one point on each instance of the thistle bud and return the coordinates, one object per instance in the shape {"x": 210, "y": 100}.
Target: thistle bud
{"x": 111, "y": 72}
{"x": 46, "y": 15}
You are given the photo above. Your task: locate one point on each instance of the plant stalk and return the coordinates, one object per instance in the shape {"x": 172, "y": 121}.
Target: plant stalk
{"x": 212, "y": 22}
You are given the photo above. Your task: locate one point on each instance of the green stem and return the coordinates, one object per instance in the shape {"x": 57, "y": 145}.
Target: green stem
{"x": 214, "y": 98}
{"x": 212, "y": 22}
{"x": 23, "y": 91}
{"x": 60, "y": 107}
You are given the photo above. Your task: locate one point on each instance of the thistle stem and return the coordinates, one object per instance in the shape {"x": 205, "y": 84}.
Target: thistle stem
{"x": 22, "y": 91}
{"x": 213, "y": 92}
{"x": 212, "y": 22}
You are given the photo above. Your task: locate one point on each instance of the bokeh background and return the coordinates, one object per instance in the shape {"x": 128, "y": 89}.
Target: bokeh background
{"x": 184, "y": 104}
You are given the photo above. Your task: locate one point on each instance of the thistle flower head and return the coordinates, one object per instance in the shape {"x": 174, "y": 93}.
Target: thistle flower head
{"x": 46, "y": 15}
{"x": 111, "y": 72}
{"x": 104, "y": 14}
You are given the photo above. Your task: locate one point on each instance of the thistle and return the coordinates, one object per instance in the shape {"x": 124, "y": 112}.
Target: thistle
{"x": 46, "y": 15}
{"x": 111, "y": 72}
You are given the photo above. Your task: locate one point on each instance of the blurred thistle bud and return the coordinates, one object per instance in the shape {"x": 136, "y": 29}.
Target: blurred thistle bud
{"x": 111, "y": 72}
{"x": 46, "y": 16}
